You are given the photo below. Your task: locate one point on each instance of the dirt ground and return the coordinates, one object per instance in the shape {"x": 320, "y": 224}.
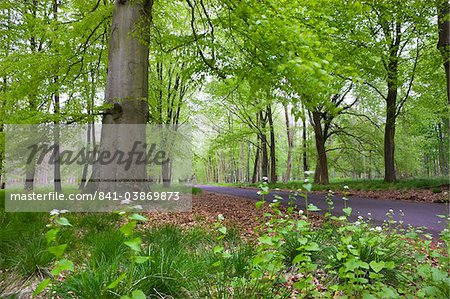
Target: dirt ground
{"x": 238, "y": 212}
{"x": 419, "y": 195}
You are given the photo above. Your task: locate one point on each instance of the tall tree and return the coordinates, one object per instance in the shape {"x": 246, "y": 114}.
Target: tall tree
{"x": 126, "y": 93}
{"x": 443, "y": 12}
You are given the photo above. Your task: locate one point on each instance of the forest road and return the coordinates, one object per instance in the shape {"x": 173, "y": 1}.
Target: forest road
{"x": 415, "y": 213}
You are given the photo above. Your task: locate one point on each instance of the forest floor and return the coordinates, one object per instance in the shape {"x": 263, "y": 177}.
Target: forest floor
{"x": 238, "y": 212}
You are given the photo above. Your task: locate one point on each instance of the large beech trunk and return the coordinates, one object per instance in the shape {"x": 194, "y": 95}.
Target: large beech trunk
{"x": 126, "y": 93}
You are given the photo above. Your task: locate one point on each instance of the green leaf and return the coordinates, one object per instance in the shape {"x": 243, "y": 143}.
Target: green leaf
{"x": 127, "y": 229}
{"x": 302, "y": 241}
{"x": 308, "y": 187}
{"x": 62, "y": 265}
{"x": 57, "y": 251}
{"x": 265, "y": 240}
{"x": 377, "y": 266}
{"x": 218, "y": 249}
{"x": 41, "y": 286}
{"x": 299, "y": 258}
{"x": 134, "y": 244}
{"x": 347, "y": 211}
{"x": 367, "y": 295}
{"x": 116, "y": 282}
{"x": 346, "y": 239}
{"x": 363, "y": 265}
{"x": 63, "y": 221}
{"x": 223, "y": 230}
{"x": 141, "y": 259}
{"x": 138, "y": 294}
{"x": 313, "y": 208}
{"x": 259, "y": 204}
{"x": 51, "y": 235}
{"x": 387, "y": 293}
{"x": 137, "y": 217}
{"x": 313, "y": 246}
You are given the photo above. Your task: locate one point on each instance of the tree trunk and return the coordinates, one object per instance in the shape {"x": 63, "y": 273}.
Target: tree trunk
{"x": 443, "y": 155}
{"x": 57, "y": 165}
{"x": 290, "y": 140}
{"x": 86, "y": 166}
{"x": 389, "y": 130}
{"x": 264, "y": 157}
{"x": 391, "y": 106}
{"x": 322, "y": 171}
{"x": 304, "y": 145}
{"x": 263, "y": 138}
{"x": 273, "y": 157}
{"x": 256, "y": 166}
{"x": 126, "y": 93}
{"x": 443, "y": 11}
{"x": 29, "y": 177}
{"x": 165, "y": 173}
{"x": 247, "y": 173}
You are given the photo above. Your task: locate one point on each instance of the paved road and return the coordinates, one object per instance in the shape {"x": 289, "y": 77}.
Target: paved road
{"x": 415, "y": 213}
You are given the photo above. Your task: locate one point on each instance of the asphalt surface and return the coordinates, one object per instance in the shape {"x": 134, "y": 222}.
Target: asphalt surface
{"x": 415, "y": 213}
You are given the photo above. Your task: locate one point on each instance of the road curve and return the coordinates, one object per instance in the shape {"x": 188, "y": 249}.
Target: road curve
{"x": 416, "y": 214}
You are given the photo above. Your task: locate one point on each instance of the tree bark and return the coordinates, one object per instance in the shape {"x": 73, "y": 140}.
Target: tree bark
{"x": 443, "y": 155}
{"x": 321, "y": 176}
{"x": 443, "y": 11}
{"x": 391, "y": 110}
{"x": 126, "y": 93}
{"x": 263, "y": 139}
{"x": 256, "y": 166}
{"x": 304, "y": 145}
{"x": 273, "y": 156}
{"x": 290, "y": 140}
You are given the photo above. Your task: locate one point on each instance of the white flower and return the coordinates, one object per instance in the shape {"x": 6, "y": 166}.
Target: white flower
{"x": 378, "y": 228}
{"x": 275, "y": 201}
{"x": 139, "y": 207}
{"x": 309, "y": 172}
{"x": 369, "y": 214}
{"x": 64, "y": 211}
{"x": 346, "y": 187}
{"x": 306, "y": 180}
{"x": 360, "y": 217}
{"x": 54, "y": 212}
{"x": 125, "y": 202}
{"x": 300, "y": 212}
{"x": 264, "y": 178}
{"x": 391, "y": 210}
{"x": 357, "y": 223}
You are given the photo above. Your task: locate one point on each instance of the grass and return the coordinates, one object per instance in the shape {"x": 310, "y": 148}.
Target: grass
{"x": 365, "y": 185}
{"x": 182, "y": 262}
{"x": 201, "y": 263}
